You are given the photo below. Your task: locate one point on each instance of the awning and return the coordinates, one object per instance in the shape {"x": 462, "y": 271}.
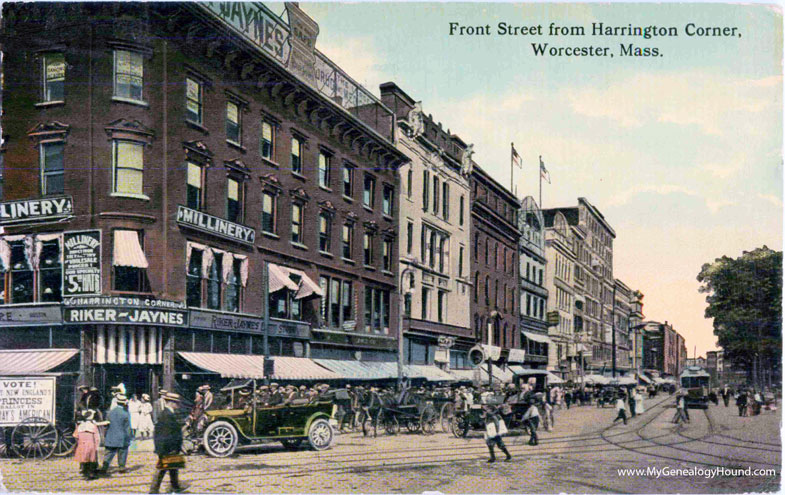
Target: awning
{"x": 644, "y": 378}
{"x": 624, "y": 380}
{"x": 127, "y": 250}
{"x": 307, "y": 286}
{"x": 596, "y": 379}
{"x": 543, "y": 339}
{"x": 279, "y": 278}
{"x": 352, "y": 370}
{"x": 516, "y": 356}
{"x": 554, "y": 378}
{"x": 581, "y": 348}
{"x": 521, "y": 371}
{"x": 464, "y": 375}
{"x": 33, "y": 360}
{"x": 431, "y": 373}
{"x": 252, "y": 366}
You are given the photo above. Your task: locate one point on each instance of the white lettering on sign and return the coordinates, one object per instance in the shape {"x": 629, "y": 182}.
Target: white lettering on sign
{"x": 255, "y": 24}
{"x": 214, "y": 225}
{"x": 26, "y": 398}
{"x": 35, "y": 209}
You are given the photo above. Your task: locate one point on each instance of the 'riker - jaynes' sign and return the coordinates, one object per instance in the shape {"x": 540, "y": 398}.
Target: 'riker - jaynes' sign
{"x": 214, "y": 225}
{"x": 123, "y": 310}
{"x": 81, "y": 263}
{"x": 36, "y": 210}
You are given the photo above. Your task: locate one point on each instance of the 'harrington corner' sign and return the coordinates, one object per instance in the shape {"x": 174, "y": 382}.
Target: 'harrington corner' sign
{"x": 123, "y": 310}
{"x": 36, "y": 210}
{"x": 214, "y": 225}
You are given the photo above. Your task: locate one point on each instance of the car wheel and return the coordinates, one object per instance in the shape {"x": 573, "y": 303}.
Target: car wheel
{"x": 320, "y": 434}
{"x": 447, "y": 413}
{"x": 292, "y": 443}
{"x": 459, "y": 426}
{"x": 220, "y": 439}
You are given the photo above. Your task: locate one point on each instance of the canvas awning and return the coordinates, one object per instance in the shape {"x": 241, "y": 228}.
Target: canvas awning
{"x": 431, "y": 373}
{"x": 516, "y": 356}
{"x": 33, "y": 360}
{"x": 279, "y": 278}
{"x": 521, "y": 371}
{"x": 127, "y": 249}
{"x": 252, "y": 366}
{"x": 464, "y": 375}
{"x": 351, "y": 370}
{"x": 644, "y": 378}
{"x": 554, "y": 378}
{"x": 596, "y": 379}
{"x": 581, "y": 348}
{"x": 543, "y": 339}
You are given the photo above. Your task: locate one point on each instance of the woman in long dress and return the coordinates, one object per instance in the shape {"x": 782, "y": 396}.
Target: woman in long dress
{"x": 639, "y": 409}
{"x": 145, "y": 417}
{"x": 134, "y": 409}
{"x": 88, "y": 439}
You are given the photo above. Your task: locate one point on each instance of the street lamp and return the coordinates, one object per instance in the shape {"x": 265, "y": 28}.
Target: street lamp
{"x": 401, "y": 303}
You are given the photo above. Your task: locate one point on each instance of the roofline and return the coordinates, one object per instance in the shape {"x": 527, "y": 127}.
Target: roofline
{"x": 510, "y": 196}
{"x": 599, "y": 215}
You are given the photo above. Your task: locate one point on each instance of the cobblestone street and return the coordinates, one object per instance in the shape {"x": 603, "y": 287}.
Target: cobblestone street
{"x": 583, "y": 454}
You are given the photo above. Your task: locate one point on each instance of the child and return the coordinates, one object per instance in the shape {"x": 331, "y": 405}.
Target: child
{"x": 88, "y": 439}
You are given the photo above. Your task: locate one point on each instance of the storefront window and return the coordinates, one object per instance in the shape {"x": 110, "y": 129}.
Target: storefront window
{"x": 21, "y": 275}
{"x": 50, "y": 272}
{"x": 233, "y": 288}
{"x": 193, "y": 290}
{"x": 214, "y": 283}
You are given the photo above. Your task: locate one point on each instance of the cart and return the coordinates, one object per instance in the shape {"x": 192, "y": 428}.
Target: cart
{"x": 37, "y": 419}
{"x": 417, "y": 415}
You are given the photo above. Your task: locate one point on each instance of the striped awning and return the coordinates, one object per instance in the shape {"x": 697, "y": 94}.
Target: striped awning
{"x": 536, "y": 337}
{"x": 127, "y": 249}
{"x": 352, "y": 370}
{"x": 279, "y": 278}
{"x": 430, "y": 373}
{"x": 252, "y": 366}
{"x": 33, "y": 360}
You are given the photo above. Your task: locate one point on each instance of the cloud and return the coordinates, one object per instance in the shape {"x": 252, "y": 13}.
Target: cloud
{"x": 770, "y": 198}
{"x": 359, "y": 58}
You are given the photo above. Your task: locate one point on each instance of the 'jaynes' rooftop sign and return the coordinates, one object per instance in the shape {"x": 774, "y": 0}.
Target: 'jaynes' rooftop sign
{"x": 36, "y": 210}
{"x": 214, "y": 225}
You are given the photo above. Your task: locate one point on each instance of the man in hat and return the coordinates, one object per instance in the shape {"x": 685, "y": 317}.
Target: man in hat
{"x": 531, "y": 418}
{"x": 158, "y": 405}
{"x": 208, "y": 397}
{"x": 276, "y": 398}
{"x": 244, "y": 399}
{"x": 118, "y": 435}
{"x": 168, "y": 440}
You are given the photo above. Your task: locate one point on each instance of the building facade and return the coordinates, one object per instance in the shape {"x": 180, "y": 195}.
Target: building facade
{"x": 494, "y": 261}
{"x": 158, "y": 157}
{"x": 569, "y": 345}
{"x": 433, "y": 236}
{"x": 715, "y": 366}
{"x": 593, "y": 276}
{"x": 621, "y": 325}
{"x": 664, "y": 349}
{"x": 636, "y": 330}
{"x": 533, "y": 304}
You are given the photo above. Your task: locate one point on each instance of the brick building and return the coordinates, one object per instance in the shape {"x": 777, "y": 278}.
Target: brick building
{"x": 664, "y": 349}
{"x": 157, "y": 157}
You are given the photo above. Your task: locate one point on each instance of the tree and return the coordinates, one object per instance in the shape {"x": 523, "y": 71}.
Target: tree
{"x": 744, "y": 296}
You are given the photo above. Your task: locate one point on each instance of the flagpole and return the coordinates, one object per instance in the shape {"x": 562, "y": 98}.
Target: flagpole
{"x": 512, "y": 154}
{"x": 539, "y": 172}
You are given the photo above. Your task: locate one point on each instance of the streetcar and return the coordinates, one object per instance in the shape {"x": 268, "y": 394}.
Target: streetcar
{"x": 695, "y": 382}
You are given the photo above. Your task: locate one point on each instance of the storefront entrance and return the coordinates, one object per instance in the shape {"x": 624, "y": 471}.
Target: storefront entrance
{"x": 138, "y": 378}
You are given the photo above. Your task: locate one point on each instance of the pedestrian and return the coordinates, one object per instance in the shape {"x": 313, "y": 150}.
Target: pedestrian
{"x": 681, "y": 407}
{"x": 208, "y": 397}
{"x": 631, "y": 402}
{"x": 168, "y": 440}
{"x": 134, "y": 408}
{"x": 88, "y": 438}
{"x": 531, "y": 419}
{"x": 494, "y": 429}
{"x": 741, "y": 403}
{"x": 548, "y": 415}
{"x": 118, "y": 435}
{"x": 568, "y": 398}
{"x": 145, "y": 417}
{"x": 158, "y": 404}
{"x": 639, "y": 409}
{"x": 621, "y": 411}
{"x": 725, "y": 395}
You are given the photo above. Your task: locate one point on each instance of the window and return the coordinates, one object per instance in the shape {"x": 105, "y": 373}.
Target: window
{"x": 387, "y": 248}
{"x": 296, "y": 155}
{"x": 283, "y": 305}
{"x": 528, "y": 304}
{"x": 442, "y": 253}
{"x": 233, "y": 128}
{"x": 268, "y": 212}
{"x": 348, "y": 173}
{"x": 214, "y": 282}
{"x": 487, "y": 250}
{"x": 409, "y": 183}
{"x": 387, "y": 201}
{"x": 435, "y": 195}
{"x": 128, "y": 75}
{"x": 193, "y": 101}
{"x": 409, "y": 237}
{"x": 53, "y": 77}
{"x": 21, "y": 283}
{"x": 234, "y": 200}
{"x": 487, "y": 290}
{"x": 337, "y": 310}
{"x": 460, "y": 261}
{"x": 347, "y": 235}
{"x": 50, "y": 272}
{"x": 324, "y": 170}
{"x": 425, "y": 189}
{"x": 377, "y": 310}
{"x": 128, "y": 168}
{"x": 441, "y": 306}
{"x": 325, "y": 228}
{"x": 193, "y": 279}
{"x": 267, "y": 141}
{"x": 297, "y": 223}
{"x": 476, "y": 286}
{"x": 446, "y": 201}
{"x": 425, "y": 293}
{"x": 51, "y": 156}
{"x": 131, "y": 278}
{"x": 233, "y": 288}
{"x": 460, "y": 211}
{"x": 193, "y": 187}
{"x": 367, "y": 249}
{"x": 407, "y": 305}
{"x": 369, "y": 189}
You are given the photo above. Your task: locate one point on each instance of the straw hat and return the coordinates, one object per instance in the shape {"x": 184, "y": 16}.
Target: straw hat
{"x": 172, "y": 397}
{"x": 121, "y": 399}
{"x": 88, "y": 414}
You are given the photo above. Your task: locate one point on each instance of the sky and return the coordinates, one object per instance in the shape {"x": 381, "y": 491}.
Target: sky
{"x": 682, "y": 152}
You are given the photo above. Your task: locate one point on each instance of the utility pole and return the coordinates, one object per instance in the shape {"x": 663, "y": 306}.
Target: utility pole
{"x": 266, "y": 316}
{"x": 613, "y": 332}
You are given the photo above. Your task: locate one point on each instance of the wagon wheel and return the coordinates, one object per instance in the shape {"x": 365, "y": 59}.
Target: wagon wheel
{"x": 428, "y": 420}
{"x": 390, "y": 424}
{"x": 412, "y": 425}
{"x": 34, "y": 438}
{"x": 459, "y": 425}
{"x": 66, "y": 443}
{"x": 447, "y": 413}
